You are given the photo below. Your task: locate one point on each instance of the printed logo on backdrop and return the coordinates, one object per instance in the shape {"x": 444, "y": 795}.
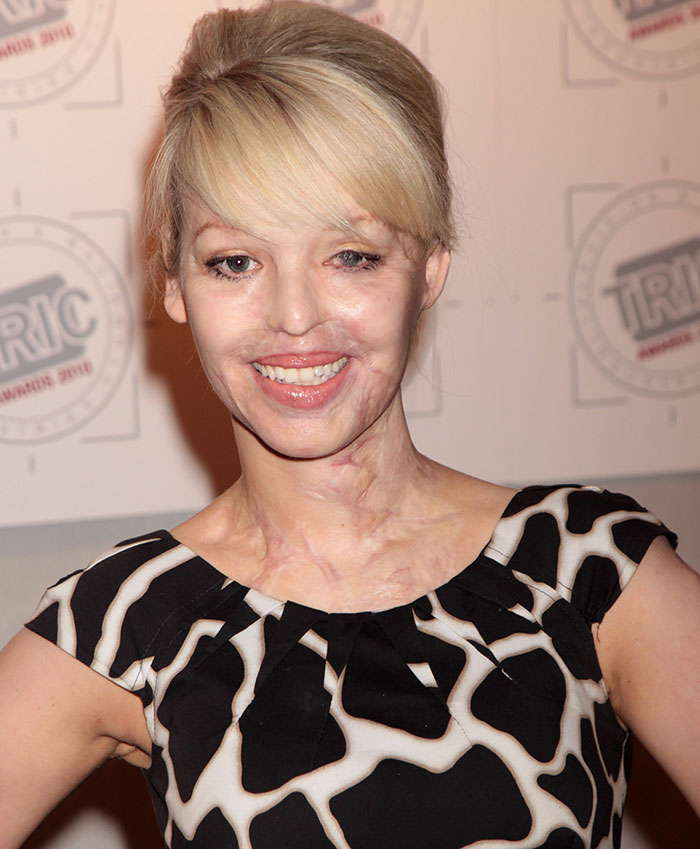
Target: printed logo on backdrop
{"x": 397, "y": 17}
{"x": 635, "y": 289}
{"x": 648, "y": 38}
{"x": 65, "y": 330}
{"x": 46, "y": 45}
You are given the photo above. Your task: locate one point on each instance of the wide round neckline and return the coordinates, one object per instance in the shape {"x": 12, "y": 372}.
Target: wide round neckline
{"x": 277, "y": 602}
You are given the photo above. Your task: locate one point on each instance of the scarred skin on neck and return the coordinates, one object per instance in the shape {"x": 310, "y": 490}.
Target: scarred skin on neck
{"x": 372, "y": 527}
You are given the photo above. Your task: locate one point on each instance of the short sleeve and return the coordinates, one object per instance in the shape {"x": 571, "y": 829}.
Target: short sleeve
{"x": 580, "y": 544}
{"x": 112, "y": 615}
{"x": 618, "y": 531}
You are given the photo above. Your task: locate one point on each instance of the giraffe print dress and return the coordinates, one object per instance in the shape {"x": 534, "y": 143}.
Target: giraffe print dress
{"x": 475, "y": 716}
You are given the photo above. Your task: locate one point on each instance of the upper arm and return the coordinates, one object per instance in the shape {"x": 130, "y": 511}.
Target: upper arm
{"x": 649, "y": 649}
{"x": 58, "y": 721}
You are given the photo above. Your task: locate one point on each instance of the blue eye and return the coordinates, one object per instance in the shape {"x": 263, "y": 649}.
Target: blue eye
{"x": 357, "y": 259}
{"x": 231, "y": 266}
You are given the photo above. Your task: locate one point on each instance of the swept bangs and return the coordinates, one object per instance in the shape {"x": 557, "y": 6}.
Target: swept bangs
{"x": 301, "y": 131}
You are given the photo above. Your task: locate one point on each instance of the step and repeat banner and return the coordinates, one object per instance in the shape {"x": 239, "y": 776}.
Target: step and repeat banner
{"x": 566, "y": 346}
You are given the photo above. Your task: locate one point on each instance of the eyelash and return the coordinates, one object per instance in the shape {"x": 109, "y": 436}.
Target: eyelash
{"x": 365, "y": 262}
{"x": 214, "y": 266}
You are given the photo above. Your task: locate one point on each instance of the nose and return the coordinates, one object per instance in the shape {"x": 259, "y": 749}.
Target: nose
{"x": 294, "y": 306}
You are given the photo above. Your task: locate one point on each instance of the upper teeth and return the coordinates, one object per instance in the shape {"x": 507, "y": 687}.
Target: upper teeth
{"x": 309, "y": 376}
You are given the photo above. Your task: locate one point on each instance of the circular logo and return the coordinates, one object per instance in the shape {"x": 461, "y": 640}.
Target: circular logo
{"x": 648, "y": 38}
{"x": 65, "y": 330}
{"x": 45, "y": 45}
{"x": 635, "y": 289}
{"x": 397, "y": 17}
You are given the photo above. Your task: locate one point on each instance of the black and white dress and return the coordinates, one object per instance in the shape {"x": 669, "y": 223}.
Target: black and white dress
{"x": 476, "y": 714}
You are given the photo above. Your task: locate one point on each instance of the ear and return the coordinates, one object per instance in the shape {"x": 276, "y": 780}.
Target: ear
{"x": 174, "y": 301}
{"x": 437, "y": 266}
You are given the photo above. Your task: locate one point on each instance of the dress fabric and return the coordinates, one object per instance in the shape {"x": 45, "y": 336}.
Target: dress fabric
{"x": 476, "y": 714}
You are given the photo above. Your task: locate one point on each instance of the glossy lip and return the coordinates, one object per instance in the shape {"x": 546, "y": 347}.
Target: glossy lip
{"x": 301, "y": 397}
{"x": 289, "y": 360}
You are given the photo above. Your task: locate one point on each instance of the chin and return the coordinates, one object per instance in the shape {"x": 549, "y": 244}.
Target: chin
{"x": 305, "y": 449}
{"x": 308, "y": 443}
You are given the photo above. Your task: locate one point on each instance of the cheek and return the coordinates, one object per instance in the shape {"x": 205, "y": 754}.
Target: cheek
{"x": 385, "y": 320}
{"x": 399, "y": 326}
{"x": 207, "y": 340}
{"x": 218, "y": 325}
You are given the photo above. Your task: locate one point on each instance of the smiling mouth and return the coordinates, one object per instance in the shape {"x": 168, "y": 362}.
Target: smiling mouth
{"x": 308, "y": 376}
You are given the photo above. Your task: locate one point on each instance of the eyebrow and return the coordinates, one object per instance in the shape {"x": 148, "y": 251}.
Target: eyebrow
{"x": 212, "y": 225}
{"x": 222, "y": 225}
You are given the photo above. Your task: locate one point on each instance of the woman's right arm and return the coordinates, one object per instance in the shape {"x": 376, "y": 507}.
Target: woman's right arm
{"x": 59, "y": 720}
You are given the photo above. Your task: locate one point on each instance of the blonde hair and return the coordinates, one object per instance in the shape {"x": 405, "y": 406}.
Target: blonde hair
{"x": 290, "y": 108}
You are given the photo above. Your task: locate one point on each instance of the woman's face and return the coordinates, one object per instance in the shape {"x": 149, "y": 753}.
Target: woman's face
{"x": 303, "y": 331}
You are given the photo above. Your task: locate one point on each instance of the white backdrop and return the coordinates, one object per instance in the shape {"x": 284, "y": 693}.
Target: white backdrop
{"x": 567, "y": 345}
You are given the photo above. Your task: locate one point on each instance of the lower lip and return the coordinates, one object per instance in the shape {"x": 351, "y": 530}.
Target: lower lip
{"x": 302, "y": 397}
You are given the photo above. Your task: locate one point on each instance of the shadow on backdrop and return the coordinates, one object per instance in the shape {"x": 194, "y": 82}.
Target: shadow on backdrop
{"x": 203, "y": 419}
{"x": 657, "y": 808}
{"x": 117, "y": 793}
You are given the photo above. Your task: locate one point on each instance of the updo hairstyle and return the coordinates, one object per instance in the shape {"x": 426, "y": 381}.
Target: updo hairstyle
{"x": 290, "y": 108}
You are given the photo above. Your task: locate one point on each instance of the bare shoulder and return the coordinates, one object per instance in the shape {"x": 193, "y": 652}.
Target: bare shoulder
{"x": 211, "y": 523}
{"x": 220, "y": 529}
{"x": 478, "y": 497}
{"x": 493, "y": 496}
{"x": 649, "y": 650}
{"x": 476, "y": 506}
{"x": 206, "y": 525}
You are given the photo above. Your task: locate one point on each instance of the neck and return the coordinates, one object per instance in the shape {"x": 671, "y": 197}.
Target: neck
{"x": 325, "y": 522}
{"x": 358, "y": 487}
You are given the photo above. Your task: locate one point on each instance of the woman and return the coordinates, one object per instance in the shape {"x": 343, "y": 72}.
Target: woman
{"x": 353, "y": 646}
